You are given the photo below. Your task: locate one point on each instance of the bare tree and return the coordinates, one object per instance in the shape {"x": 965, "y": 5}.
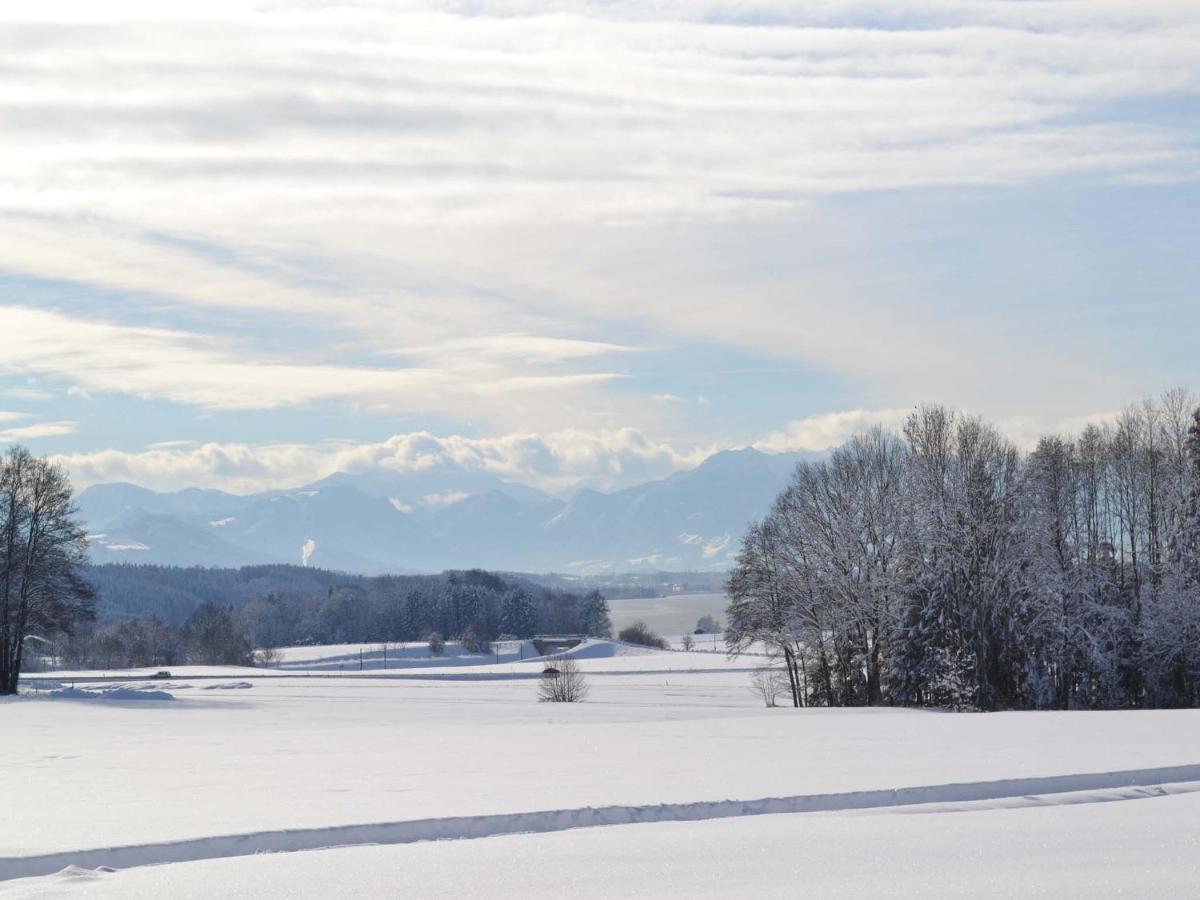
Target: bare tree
{"x": 563, "y": 682}
{"x": 765, "y": 591}
{"x": 212, "y": 638}
{"x": 768, "y": 682}
{"x": 688, "y": 642}
{"x": 42, "y": 550}
{"x": 268, "y": 657}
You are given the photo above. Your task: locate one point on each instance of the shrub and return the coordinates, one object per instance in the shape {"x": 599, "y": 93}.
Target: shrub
{"x": 640, "y": 633}
{"x": 563, "y": 684}
{"x": 268, "y": 657}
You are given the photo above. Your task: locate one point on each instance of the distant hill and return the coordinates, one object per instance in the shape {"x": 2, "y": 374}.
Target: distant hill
{"x": 380, "y": 521}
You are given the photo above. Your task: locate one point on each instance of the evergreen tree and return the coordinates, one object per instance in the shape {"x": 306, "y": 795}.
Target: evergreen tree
{"x": 594, "y": 616}
{"x": 518, "y": 615}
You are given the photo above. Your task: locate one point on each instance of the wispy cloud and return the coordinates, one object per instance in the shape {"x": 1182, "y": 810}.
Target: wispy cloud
{"x": 536, "y": 349}
{"x": 28, "y": 394}
{"x": 471, "y": 211}
{"x": 193, "y": 369}
{"x": 35, "y": 431}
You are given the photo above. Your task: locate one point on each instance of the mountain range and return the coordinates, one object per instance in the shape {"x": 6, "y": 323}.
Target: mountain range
{"x": 380, "y": 521}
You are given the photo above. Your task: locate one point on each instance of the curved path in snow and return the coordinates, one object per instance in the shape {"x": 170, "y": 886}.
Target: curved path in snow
{"x": 941, "y": 798}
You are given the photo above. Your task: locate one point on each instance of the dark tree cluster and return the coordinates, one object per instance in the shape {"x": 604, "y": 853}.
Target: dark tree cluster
{"x": 474, "y": 607}
{"x": 947, "y": 568}
{"x": 639, "y": 633}
{"x": 213, "y": 635}
{"x": 127, "y": 591}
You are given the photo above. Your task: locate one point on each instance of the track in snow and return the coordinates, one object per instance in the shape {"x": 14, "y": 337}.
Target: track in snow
{"x": 942, "y": 798}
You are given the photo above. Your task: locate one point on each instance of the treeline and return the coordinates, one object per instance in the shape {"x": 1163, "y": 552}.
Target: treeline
{"x": 173, "y": 593}
{"x": 212, "y": 635}
{"x": 474, "y": 607}
{"x": 946, "y": 568}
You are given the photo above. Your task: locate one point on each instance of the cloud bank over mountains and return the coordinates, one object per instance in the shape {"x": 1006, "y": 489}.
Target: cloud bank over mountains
{"x": 553, "y": 462}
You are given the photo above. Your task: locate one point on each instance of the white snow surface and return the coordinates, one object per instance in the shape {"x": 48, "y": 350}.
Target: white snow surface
{"x": 1136, "y": 849}
{"x": 310, "y": 756}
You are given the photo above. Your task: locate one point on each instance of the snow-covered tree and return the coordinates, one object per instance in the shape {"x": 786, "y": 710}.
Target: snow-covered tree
{"x": 594, "y": 617}
{"x": 946, "y": 568}
{"x": 42, "y": 553}
{"x": 518, "y": 615}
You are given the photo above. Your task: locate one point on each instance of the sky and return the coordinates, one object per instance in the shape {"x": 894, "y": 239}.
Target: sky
{"x": 246, "y": 244}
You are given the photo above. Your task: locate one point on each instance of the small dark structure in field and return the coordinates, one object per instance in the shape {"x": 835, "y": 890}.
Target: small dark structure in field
{"x": 550, "y": 644}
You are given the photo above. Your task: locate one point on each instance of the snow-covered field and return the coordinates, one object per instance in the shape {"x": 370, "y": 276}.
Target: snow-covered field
{"x": 673, "y": 614}
{"x": 671, "y": 779}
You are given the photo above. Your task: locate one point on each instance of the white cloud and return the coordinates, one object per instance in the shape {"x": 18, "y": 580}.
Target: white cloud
{"x": 715, "y": 546}
{"x": 412, "y": 112}
{"x": 820, "y": 432}
{"x": 495, "y": 189}
{"x": 32, "y": 395}
{"x": 35, "y": 431}
{"x": 172, "y": 365}
{"x": 536, "y": 349}
{"x": 553, "y": 461}
{"x": 828, "y": 430}
{"x": 188, "y": 368}
{"x": 1026, "y": 431}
